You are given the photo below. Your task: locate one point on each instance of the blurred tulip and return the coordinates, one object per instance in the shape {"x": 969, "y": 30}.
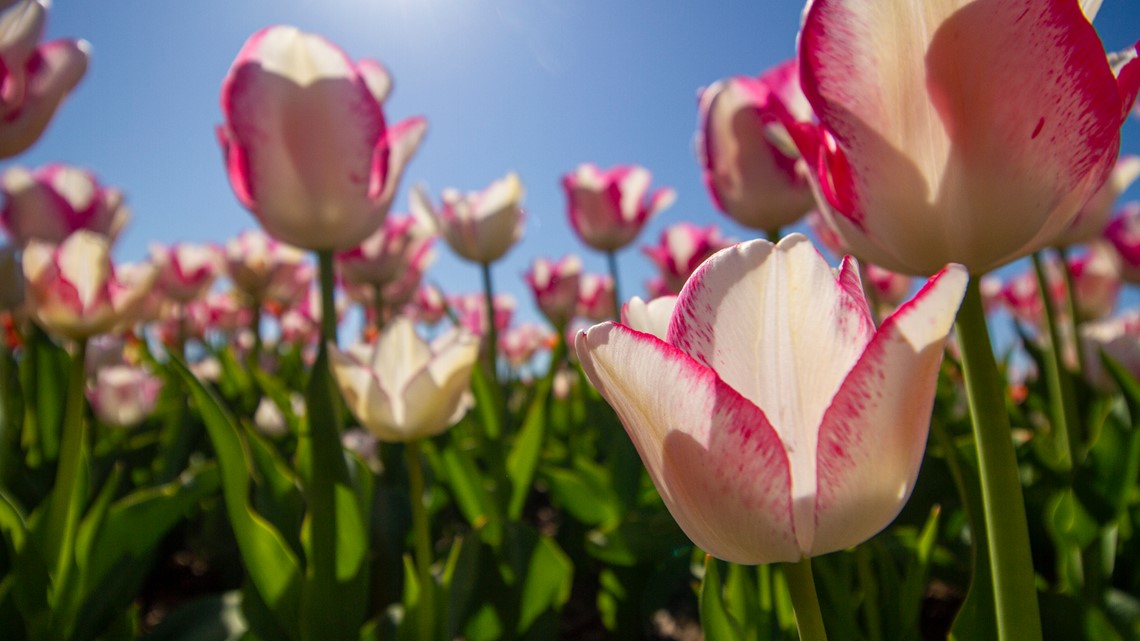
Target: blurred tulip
{"x": 122, "y": 395}
{"x": 35, "y": 77}
{"x": 923, "y": 155}
{"x": 608, "y": 208}
{"x": 555, "y": 287}
{"x": 890, "y": 288}
{"x": 1096, "y": 277}
{"x": 428, "y": 305}
{"x": 1094, "y": 216}
{"x": 401, "y": 243}
{"x": 185, "y": 271}
{"x": 1123, "y": 233}
{"x": 1117, "y": 337}
{"x": 681, "y": 249}
{"x": 72, "y": 289}
{"x": 520, "y": 343}
{"x": 471, "y": 312}
{"x": 596, "y": 297}
{"x": 479, "y": 226}
{"x": 748, "y": 158}
{"x": 254, "y": 260}
{"x": 775, "y": 421}
{"x": 650, "y": 317}
{"x": 50, "y": 203}
{"x": 400, "y": 389}
{"x": 306, "y": 144}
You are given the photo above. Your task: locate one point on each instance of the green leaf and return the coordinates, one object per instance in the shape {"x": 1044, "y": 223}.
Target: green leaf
{"x": 46, "y": 377}
{"x": 1128, "y": 384}
{"x": 584, "y": 496}
{"x": 214, "y": 618}
{"x": 273, "y": 567}
{"x": 460, "y": 578}
{"x": 525, "y": 451}
{"x": 547, "y": 583}
{"x": 277, "y": 495}
{"x": 716, "y": 623}
{"x": 488, "y": 403}
{"x": 470, "y": 495}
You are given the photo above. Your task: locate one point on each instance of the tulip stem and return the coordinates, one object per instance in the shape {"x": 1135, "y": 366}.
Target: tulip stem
{"x": 255, "y": 327}
{"x": 805, "y": 602}
{"x": 422, "y": 532}
{"x": 1062, "y": 404}
{"x": 492, "y": 344}
{"x": 1074, "y": 309}
{"x": 328, "y": 299}
{"x": 611, "y": 261}
{"x": 62, "y": 518}
{"x": 1007, "y": 530}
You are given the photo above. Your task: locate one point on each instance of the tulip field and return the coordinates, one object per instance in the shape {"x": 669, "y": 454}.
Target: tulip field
{"x": 906, "y": 406}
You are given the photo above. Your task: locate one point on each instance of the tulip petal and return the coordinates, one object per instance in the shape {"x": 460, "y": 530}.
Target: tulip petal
{"x": 1010, "y": 155}
{"x": 60, "y": 66}
{"x": 376, "y": 77}
{"x": 718, "y": 464}
{"x": 365, "y": 398}
{"x": 399, "y": 355}
{"x": 434, "y": 398}
{"x": 873, "y": 435}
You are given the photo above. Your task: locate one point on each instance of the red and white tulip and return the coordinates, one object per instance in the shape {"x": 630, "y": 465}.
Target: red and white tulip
{"x": 50, "y": 203}
{"x": 608, "y": 208}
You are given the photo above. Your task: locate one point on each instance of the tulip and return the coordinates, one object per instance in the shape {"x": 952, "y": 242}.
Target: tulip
{"x": 749, "y": 162}
{"x": 923, "y": 155}
{"x": 520, "y": 343}
{"x": 890, "y": 287}
{"x": 1117, "y": 337}
{"x": 555, "y": 287}
{"x": 402, "y": 243}
{"x": 650, "y": 317}
{"x": 479, "y": 226}
{"x": 122, "y": 395}
{"x": 681, "y": 249}
{"x": 254, "y": 260}
{"x": 1096, "y": 280}
{"x": 596, "y": 297}
{"x": 36, "y": 76}
{"x": 50, "y": 203}
{"x": 72, "y": 288}
{"x": 1123, "y": 233}
{"x": 428, "y": 305}
{"x": 185, "y": 271}
{"x": 776, "y": 422}
{"x": 307, "y": 148}
{"x": 1094, "y": 216}
{"x": 401, "y": 389}
{"x": 471, "y": 312}
{"x": 608, "y": 208}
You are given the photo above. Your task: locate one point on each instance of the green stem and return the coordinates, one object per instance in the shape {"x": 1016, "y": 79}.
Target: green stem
{"x": 805, "y": 602}
{"x": 870, "y": 589}
{"x": 255, "y": 327}
{"x": 492, "y": 344}
{"x": 1007, "y": 529}
{"x": 328, "y": 299}
{"x": 422, "y": 533}
{"x": 1062, "y": 404}
{"x": 66, "y": 500}
{"x": 1075, "y": 319}
{"x": 611, "y": 261}
{"x": 773, "y": 235}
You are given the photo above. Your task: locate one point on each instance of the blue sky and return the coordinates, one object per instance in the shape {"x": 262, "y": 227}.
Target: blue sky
{"x": 534, "y": 86}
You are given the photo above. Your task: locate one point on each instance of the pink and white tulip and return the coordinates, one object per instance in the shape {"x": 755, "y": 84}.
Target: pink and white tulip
{"x": 185, "y": 271}
{"x": 35, "y": 77}
{"x": 649, "y": 317}
{"x": 400, "y": 389}
{"x": 681, "y": 249}
{"x": 608, "y": 208}
{"x": 520, "y": 343}
{"x": 254, "y": 260}
{"x": 1117, "y": 337}
{"x": 924, "y": 154}
{"x": 748, "y": 158}
{"x": 401, "y": 243}
{"x": 1094, "y": 216}
{"x": 596, "y": 297}
{"x": 50, "y": 203}
{"x": 555, "y": 286}
{"x": 1123, "y": 233}
{"x": 428, "y": 305}
{"x": 72, "y": 288}
{"x": 890, "y": 288}
{"x": 123, "y": 395}
{"x": 471, "y": 312}
{"x": 776, "y": 422}
{"x": 306, "y": 144}
{"x": 479, "y": 226}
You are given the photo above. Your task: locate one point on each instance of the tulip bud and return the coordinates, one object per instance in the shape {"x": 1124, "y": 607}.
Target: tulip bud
{"x": 52, "y": 202}
{"x": 555, "y": 287}
{"x": 479, "y": 226}
{"x": 607, "y": 209}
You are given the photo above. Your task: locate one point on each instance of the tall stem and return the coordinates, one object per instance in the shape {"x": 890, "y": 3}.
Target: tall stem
{"x": 492, "y": 344}
{"x": 1075, "y": 319}
{"x": 1007, "y": 530}
{"x": 328, "y": 299}
{"x": 255, "y": 327}
{"x": 611, "y": 261}
{"x": 66, "y": 502}
{"x": 805, "y": 602}
{"x": 422, "y": 532}
{"x": 1062, "y": 403}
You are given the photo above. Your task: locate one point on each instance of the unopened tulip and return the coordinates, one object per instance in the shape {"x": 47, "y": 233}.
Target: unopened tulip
{"x": 479, "y": 226}
{"x": 36, "y": 76}
{"x": 650, "y": 317}
{"x": 402, "y": 243}
{"x": 681, "y": 249}
{"x": 1123, "y": 233}
{"x": 400, "y": 389}
{"x": 776, "y": 422}
{"x": 596, "y": 297}
{"x": 307, "y": 148}
{"x": 1094, "y": 216}
{"x": 520, "y": 343}
{"x": 72, "y": 288}
{"x": 185, "y": 271}
{"x": 254, "y": 260}
{"x": 608, "y": 208}
{"x": 123, "y": 395}
{"x": 50, "y": 203}
{"x": 471, "y": 312}
{"x": 923, "y": 155}
{"x": 555, "y": 287}
{"x": 748, "y": 158}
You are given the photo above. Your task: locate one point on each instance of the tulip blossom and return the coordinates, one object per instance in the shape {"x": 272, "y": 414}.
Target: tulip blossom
{"x": 306, "y": 144}
{"x": 749, "y": 162}
{"x": 254, "y": 260}
{"x": 428, "y": 305}
{"x": 50, "y": 203}
{"x": 608, "y": 208}
{"x": 1094, "y": 216}
{"x": 520, "y": 343}
{"x": 681, "y": 249}
{"x": 555, "y": 287}
{"x": 123, "y": 395}
{"x": 401, "y": 243}
{"x": 890, "y": 287}
{"x": 480, "y": 226}
{"x": 402, "y": 389}
{"x": 924, "y": 155}
{"x": 596, "y": 297}
{"x": 1095, "y": 275}
{"x": 185, "y": 271}
{"x": 35, "y": 77}
{"x": 650, "y": 317}
{"x": 1117, "y": 337}
{"x": 471, "y": 312}
{"x": 1123, "y": 233}
{"x": 776, "y": 422}
{"x": 72, "y": 288}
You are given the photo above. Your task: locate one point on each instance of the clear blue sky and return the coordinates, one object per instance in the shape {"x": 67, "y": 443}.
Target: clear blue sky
{"x": 534, "y": 86}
